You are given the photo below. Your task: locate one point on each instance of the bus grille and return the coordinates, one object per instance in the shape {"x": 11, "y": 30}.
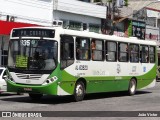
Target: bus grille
{"x": 29, "y": 76}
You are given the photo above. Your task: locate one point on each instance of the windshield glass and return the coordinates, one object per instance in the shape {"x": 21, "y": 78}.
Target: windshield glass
{"x": 32, "y": 54}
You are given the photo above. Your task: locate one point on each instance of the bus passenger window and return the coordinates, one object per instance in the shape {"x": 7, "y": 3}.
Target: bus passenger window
{"x": 152, "y": 54}
{"x": 134, "y": 53}
{"x": 97, "y": 50}
{"x": 82, "y": 48}
{"x": 144, "y": 54}
{"x": 123, "y": 52}
{"x": 111, "y": 51}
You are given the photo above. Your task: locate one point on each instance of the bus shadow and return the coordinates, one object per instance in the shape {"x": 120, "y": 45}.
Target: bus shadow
{"x": 112, "y": 95}
{"x": 7, "y": 94}
{"x": 49, "y": 99}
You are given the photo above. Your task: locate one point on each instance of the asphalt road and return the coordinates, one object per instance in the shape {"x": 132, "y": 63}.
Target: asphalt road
{"x": 145, "y": 102}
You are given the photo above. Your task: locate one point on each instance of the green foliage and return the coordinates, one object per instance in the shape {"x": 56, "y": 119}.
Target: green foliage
{"x": 126, "y": 2}
{"x": 130, "y": 28}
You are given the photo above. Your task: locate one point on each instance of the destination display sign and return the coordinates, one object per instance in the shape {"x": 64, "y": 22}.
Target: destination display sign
{"x": 30, "y": 32}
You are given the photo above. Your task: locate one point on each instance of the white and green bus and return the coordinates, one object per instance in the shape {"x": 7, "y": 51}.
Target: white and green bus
{"x": 57, "y": 61}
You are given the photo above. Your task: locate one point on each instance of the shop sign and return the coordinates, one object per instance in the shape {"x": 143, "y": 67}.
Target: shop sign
{"x": 138, "y": 29}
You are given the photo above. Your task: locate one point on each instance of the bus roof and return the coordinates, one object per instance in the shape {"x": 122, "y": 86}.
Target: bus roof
{"x": 96, "y": 35}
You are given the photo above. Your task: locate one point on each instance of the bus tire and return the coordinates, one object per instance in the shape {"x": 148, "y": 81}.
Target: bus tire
{"x": 35, "y": 96}
{"x": 132, "y": 87}
{"x": 18, "y": 93}
{"x": 79, "y": 91}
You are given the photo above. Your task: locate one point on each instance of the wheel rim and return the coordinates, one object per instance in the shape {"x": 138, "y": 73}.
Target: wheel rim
{"x": 132, "y": 87}
{"x": 79, "y": 90}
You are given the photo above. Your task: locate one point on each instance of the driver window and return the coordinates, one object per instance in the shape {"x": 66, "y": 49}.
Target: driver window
{"x": 67, "y": 51}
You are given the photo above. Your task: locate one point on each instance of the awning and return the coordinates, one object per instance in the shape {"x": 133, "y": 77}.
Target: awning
{"x": 6, "y": 26}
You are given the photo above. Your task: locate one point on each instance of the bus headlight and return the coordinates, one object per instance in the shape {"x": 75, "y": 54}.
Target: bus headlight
{"x": 50, "y": 80}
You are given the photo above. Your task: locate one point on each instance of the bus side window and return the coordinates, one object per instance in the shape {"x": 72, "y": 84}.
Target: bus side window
{"x": 93, "y": 47}
{"x": 111, "y": 51}
{"x": 97, "y": 47}
{"x": 144, "y": 54}
{"x": 123, "y": 52}
{"x": 67, "y": 51}
{"x": 152, "y": 54}
{"x": 134, "y": 53}
{"x": 82, "y": 48}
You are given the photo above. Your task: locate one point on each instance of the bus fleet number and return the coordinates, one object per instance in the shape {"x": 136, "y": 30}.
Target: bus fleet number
{"x": 82, "y": 67}
{"x": 25, "y": 42}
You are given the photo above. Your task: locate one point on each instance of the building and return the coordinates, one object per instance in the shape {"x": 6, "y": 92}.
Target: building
{"x": 71, "y": 14}
{"x": 143, "y": 15}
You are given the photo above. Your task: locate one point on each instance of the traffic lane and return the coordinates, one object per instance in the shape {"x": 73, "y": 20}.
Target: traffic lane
{"x": 116, "y": 101}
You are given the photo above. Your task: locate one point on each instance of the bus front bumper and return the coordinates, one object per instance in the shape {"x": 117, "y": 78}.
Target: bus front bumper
{"x": 50, "y": 89}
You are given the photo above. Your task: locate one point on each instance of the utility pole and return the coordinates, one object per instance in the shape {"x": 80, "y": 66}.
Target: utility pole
{"x": 112, "y": 16}
{"x": 115, "y": 4}
{"x": 55, "y": 4}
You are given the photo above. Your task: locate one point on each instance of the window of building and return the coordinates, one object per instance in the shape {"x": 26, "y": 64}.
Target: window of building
{"x": 82, "y": 48}
{"x": 74, "y": 25}
{"x": 94, "y": 28}
{"x": 111, "y": 51}
{"x": 65, "y": 23}
{"x": 123, "y": 52}
{"x": 152, "y": 54}
{"x": 67, "y": 51}
{"x": 144, "y": 54}
{"x": 85, "y": 0}
{"x": 97, "y": 49}
{"x": 134, "y": 53}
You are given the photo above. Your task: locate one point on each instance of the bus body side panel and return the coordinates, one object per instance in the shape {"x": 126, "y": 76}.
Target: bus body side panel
{"x": 104, "y": 77}
{"x": 106, "y": 84}
{"x": 66, "y": 84}
{"x": 147, "y": 79}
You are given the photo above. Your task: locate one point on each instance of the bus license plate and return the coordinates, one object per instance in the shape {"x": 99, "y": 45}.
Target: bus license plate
{"x": 27, "y": 89}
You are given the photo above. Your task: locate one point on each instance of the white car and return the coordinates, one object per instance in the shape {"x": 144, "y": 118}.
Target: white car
{"x": 3, "y": 85}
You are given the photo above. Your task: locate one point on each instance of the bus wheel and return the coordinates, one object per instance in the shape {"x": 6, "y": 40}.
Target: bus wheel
{"x": 18, "y": 93}
{"x": 79, "y": 91}
{"x": 35, "y": 96}
{"x": 132, "y": 87}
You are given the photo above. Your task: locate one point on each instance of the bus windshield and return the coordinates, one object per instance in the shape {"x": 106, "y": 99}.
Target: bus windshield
{"x": 32, "y": 54}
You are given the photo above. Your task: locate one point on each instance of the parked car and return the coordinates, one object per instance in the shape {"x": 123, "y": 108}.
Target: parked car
{"x": 3, "y": 85}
